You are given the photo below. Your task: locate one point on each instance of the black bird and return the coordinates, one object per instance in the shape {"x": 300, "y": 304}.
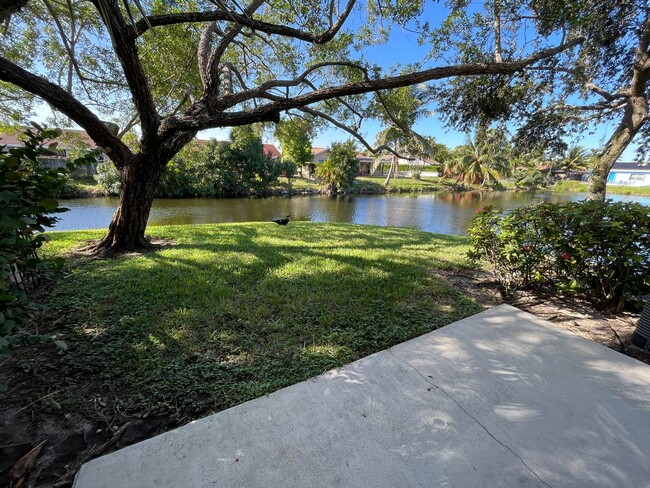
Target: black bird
{"x": 283, "y": 221}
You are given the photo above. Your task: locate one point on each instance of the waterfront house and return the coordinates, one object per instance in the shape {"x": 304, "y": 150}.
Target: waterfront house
{"x": 632, "y": 174}
{"x": 71, "y": 144}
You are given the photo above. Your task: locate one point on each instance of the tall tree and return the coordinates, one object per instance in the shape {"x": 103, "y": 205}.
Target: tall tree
{"x": 605, "y": 80}
{"x": 295, "y": 140}
{"x": 193, "y": 64}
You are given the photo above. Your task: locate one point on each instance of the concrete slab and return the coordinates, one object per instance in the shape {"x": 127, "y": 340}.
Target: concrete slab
{"x": 500, "y": 399}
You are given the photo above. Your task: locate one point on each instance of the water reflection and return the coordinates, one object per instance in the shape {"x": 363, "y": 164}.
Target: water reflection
{"x": 446, "y": 213}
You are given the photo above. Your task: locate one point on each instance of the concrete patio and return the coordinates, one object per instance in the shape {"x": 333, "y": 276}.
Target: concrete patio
{"x": 500, "y": 399}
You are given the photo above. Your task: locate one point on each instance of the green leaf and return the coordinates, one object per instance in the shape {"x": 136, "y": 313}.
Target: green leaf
{"x": 49, "y": 204}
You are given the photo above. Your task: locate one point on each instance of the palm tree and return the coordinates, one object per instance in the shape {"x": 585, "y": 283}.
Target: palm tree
{"x": 481, "y": 161}
{"x": 575, "y": 159}
{"x": 400, "y": 109}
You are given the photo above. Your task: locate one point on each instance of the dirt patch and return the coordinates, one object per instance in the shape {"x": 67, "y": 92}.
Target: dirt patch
{"x": 82, "y": 420}
{"x": 86, "y": 250}
{"x": 611, "y": 329}
{"x": 73, "y": 432}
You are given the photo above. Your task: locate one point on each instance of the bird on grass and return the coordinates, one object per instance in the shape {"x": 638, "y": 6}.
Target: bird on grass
{"x": 283, "y": 221}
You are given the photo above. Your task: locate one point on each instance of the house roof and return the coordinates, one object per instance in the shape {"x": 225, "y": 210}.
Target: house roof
{"x": 317, "y": 150}
{"x": 78, "y": 135}
{"x": 363, "y": 157}
{"x": 272, "y": 151}
{"x": 636, "y": 167}
{"x": 69, "y": 135}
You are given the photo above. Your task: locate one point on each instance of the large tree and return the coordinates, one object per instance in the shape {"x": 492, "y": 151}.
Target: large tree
{"x": 604, "y": 81}
{"x": 295, "y": 140}
{"x": 190, "y": 65}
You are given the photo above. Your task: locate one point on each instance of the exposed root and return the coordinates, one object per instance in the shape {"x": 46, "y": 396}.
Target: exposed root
{"x": 107, "y": 247}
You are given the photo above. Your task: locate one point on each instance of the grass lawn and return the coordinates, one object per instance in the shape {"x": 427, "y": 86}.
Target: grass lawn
{"x": 375, "y": 184}
{"x": 226, "y": 313}
{"x": 581, "y": 186}
{"x": 408, "y": 184}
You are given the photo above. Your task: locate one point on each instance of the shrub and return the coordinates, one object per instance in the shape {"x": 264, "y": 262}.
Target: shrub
{"x": 27, "y": 188}
{"x": 108, "y": 178}
{"x": 530, "y": 179}
{"x": 341, "y": 167}
{"x": 600, "y": 250}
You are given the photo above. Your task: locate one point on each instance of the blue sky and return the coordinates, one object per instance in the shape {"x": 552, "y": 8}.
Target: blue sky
{"x": 403, "y": 49}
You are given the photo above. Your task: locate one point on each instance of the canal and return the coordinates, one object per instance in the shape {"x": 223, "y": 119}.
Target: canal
{"x": 445, "y": 213}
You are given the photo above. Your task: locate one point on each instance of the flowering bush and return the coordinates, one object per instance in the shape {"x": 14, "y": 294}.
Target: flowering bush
{"x": 600, "y": 250}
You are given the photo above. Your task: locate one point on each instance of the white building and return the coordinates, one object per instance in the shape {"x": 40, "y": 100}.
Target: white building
{"x": 633, "y": 174}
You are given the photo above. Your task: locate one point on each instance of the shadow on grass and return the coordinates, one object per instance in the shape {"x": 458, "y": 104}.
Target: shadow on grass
{"x": 233, "y": 312}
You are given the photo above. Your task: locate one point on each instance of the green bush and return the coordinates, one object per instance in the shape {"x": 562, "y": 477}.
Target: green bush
{"x": 26, "y": 207}
{"x": 530, "y": 179}
{"x": 600, "y": 250}
{"x": 341, "y": 167}
{"x": 108, "y": 178}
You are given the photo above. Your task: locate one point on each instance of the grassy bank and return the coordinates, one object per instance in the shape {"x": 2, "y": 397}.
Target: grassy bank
{"x": 226, "y": 313}
{"x": 375, "y": 185}
{"x": 580, "y": 186}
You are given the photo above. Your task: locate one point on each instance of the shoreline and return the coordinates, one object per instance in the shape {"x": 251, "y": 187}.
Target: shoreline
{"x": 366, "y": 187}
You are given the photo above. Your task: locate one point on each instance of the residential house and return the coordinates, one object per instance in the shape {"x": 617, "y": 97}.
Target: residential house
{"x": 633, "y": 174}
{"x": 318, "y": 156}
{"x": 367, "y": 164}
{"x": 71, "y": 143}
{"x": 272, "y": 151}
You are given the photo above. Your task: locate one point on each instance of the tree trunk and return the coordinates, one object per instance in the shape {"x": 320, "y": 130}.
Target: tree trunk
{"x": 392, "y": 171}
{"x": 139, "y": 180}
{"x": 636, "y": 115}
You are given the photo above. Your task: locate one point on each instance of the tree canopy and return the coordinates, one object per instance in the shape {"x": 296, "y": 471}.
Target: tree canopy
{"x": 604, "y": 80}
{"x": 172, "y": 69}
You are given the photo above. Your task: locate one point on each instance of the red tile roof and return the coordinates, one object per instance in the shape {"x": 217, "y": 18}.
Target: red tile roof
{"x": 272, "y": 151}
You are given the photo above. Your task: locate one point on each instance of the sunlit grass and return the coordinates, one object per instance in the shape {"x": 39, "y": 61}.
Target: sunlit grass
{"x": 581, "y": 186}
{"x": 230, "y": 312}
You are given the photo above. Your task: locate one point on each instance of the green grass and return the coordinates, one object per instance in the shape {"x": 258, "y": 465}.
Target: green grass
{"x": 84, "y": 186}
{"x": 408, "y": 184}
{"x": 375, "y": 184}
{"x": 580, "y": 186}
{"x": 231, "y": 312}
{"x": 298, "y": 183}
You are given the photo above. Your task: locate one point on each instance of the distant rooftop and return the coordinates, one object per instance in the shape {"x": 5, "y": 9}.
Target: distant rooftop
{"x": 626, "y": 166}
{"x": 69, "y": 135}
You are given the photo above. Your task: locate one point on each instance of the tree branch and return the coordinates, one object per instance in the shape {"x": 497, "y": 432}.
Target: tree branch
{"x": 352, "y": 132}
{"x": 123, "y": 38}
{"x": 58, "y": 98}
{"x": 245, "y": 21}
{"x": 271, "y": 111}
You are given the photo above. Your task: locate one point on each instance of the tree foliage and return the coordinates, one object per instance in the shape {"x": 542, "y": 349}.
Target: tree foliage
{"x": 295, "y": 140}
{"x": 175, "y": 68}
{"x": 341, "y": 167}
{"x": 483, "y": 160}
{"x": 604, "y": 80}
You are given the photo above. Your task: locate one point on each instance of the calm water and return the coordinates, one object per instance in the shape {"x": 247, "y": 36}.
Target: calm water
{"x": 446, "y": 213}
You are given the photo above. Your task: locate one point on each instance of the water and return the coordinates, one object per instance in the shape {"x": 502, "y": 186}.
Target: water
{"x": 445, "y": 213}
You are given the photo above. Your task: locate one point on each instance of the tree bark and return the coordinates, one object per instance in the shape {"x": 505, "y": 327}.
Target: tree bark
{"x": 126, "y": 232}
{"x": 394, "y": 167}
{"x": 636, "y": 115}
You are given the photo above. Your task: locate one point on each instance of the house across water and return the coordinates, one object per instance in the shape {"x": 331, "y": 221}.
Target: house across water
{"x": 633, "y": 174}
